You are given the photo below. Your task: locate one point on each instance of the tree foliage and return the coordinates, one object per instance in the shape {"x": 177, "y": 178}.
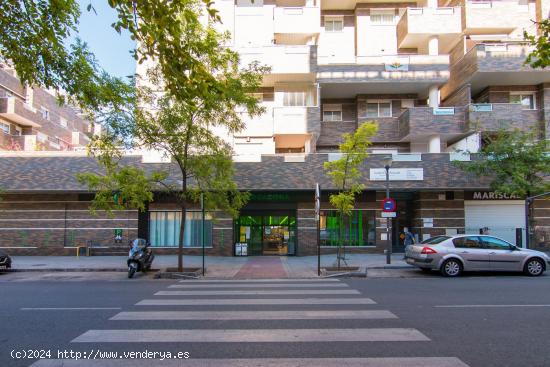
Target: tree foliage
{"x": 540, "y": 56}
{"x": 516, "y": 161}
{"x": 345, "y": 172}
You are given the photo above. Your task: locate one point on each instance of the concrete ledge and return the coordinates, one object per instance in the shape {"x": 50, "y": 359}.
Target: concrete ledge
{"x": 361, "y": 272}
{"x": 187, "y": 273}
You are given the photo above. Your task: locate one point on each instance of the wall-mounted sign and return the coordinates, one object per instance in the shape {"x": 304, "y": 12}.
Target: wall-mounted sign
{"x": 428, "y": 222}
{"x": 490, "y": 195}
{"x": 397, "y": 174}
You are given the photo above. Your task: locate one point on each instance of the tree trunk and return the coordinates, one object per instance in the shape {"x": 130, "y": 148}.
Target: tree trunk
{"x": 181, "y": 236}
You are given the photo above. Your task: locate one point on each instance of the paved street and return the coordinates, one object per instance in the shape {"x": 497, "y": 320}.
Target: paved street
{"x": 476, "y": 320}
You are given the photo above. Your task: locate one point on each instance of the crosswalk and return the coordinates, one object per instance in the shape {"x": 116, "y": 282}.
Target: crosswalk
{"x": 312, "y": 313}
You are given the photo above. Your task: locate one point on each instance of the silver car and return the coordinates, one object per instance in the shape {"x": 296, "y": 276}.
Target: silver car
{"x": 452, "y": 255}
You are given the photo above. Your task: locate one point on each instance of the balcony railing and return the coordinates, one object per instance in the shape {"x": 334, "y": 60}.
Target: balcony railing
{"x": 497, "y": 116}
{"x": 282, "y": 59}
{"x": 424, "y": 121}
{"x": 496, "y": 15}
{"x": 290, "y": 120}
{"x": 417, "y": 24}
{"x": 297, "y": 20}
{"x": 17, "y": 111}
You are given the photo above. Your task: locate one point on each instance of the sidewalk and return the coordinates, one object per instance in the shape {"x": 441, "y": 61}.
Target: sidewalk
{"x": 217, "y": 266}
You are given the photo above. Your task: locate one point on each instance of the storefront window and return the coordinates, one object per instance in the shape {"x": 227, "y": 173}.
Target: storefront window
{"x": 164, "y": 229}
{"x": 359, "y": 229}
{"x": 267, "y": 234}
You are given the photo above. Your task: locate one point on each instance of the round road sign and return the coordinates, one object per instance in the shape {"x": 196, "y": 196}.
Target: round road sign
{"x": 389, "y": 205}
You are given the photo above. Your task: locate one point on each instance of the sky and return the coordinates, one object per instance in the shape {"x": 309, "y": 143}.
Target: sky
{"x": 110, "y": 48}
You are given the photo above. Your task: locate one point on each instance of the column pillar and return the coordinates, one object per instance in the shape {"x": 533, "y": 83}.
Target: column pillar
{"x": 433, "y": 46}
{"x": 434, "y": 96}
{"x": 432, "y": 4}
{"x": 434, "y": 146}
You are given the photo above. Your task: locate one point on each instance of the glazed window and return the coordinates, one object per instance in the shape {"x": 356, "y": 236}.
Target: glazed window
{"x": 379, "y": 109}
{"x": 334, "y": 25}
{"x": 527, "y": 100}
{"x": 332, "y": 112}
{"x": 164, "y": 229}
{"x": 382, "y": 17}
{"x": 5, "y": 127}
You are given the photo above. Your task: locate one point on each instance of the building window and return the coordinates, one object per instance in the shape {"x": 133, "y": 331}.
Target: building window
{"x": 45, "y": 113}
{"x": 5, "y": 127}
{"x": 332, "y": 112}
{"x": 334, "y": 25}
{"x": 359, "y": 229}
{"x": 164, "y": 229}
{"x": 379, "y": 109}
{"x": 301, "y": 98}
{"x": 527, "y": 100}
{"x": 382, "y": 17}
{"x": 62, "y": 122}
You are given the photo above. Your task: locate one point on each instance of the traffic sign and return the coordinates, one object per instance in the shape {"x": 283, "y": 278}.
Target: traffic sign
{"x": 389, "y": 214}
{"x": 389, "y": 205}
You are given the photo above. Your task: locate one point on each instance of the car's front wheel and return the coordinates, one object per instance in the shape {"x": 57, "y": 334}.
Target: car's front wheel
{"x": 451, "y": 268}
{"x": 533, "y": 267}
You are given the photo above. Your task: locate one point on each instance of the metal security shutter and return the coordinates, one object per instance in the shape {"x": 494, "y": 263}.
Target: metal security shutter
{"x": 501, "y": 217}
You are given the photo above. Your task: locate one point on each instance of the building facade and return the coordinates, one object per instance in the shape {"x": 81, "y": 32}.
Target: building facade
{"x": 31, "y": 118}
{"x": 437, "y": 77}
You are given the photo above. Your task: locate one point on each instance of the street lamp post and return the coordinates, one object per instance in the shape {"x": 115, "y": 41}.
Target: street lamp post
{"x": 387, "y": 165}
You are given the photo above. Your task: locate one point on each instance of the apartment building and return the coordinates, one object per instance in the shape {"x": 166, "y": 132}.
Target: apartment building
{"x": 31, "y": 119}
{"x": 437, "y": 76}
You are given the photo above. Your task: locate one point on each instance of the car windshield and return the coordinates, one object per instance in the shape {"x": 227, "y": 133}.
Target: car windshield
{"x": 435, "y": 240}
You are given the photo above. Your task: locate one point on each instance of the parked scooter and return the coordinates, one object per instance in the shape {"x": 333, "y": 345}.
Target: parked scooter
{"x": 140, "y": 257}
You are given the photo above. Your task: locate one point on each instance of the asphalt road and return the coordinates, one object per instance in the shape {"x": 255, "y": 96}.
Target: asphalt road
{"x": 476, "y": 320}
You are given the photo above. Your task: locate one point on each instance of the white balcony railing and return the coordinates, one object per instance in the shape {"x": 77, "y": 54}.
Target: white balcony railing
{"x": 299, "y": 20}
{"x": 290, "y": 120}
{"x": 281, "y": 59}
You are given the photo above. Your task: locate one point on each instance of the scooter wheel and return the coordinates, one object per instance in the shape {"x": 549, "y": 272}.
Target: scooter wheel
{"x": 131, "y": 271}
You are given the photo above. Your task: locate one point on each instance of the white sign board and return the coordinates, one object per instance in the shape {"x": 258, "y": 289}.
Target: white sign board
{"x": 397, "y": 174}
{"x": 428, "y": 222}
{"x": 389, "y": 214}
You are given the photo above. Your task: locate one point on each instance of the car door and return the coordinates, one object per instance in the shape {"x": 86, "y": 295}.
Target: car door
{"x": 501, "y": 255}
{"x": 472, "y": 251}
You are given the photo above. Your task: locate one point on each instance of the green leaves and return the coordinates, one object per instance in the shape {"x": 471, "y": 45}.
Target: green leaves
{"x": 345, "y": 172}
{"x": 517, "y": 163}
{"x": 540, "y": 56}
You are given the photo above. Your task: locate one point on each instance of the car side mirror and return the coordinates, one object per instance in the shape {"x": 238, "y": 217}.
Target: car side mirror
{"x": 513, "y": 248}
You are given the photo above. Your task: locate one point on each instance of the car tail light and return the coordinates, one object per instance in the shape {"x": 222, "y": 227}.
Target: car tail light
{"x": 428, "y": 251}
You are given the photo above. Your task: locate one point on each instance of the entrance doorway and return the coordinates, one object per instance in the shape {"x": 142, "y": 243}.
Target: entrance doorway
{"x": 272, "y": 233}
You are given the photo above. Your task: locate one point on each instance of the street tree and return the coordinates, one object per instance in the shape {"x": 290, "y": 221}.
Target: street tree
{"x": 346, "y": 175}
{"x": 540, "y": 56}
{"x": 187, "y": 125}
{"x": 516, "y": 161}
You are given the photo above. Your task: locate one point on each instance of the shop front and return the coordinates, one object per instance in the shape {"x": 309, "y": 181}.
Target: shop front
{"x": 267, "y": 232}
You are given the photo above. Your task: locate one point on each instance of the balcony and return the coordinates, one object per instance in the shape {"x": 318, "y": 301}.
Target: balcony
{"x": 290, "y": 63}
{"x": 495, "y": 16}
{"x": 15, "y": 110}
{"x": 379, "y": 74}
{"x": 290, "y": 120}
{"x": 420, "y": 122}
{"x": 297, "y": 20}
{"x": 261, "y": 125}
{"x": 497, "y": 116}
{"x": 494, "y": 64}
{"x": 417, "y": 25}
{"x": 11, "y": 142}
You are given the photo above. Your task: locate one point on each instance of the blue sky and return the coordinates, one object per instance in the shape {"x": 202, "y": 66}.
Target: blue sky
{"x": 110, "y": 48}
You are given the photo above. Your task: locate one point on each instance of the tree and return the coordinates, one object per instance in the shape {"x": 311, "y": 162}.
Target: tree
{"x": 516, "y": 161}
{"x": 181, "y": 123}
{"x": 346, "y": 174}
{"x": 540, "y": 56}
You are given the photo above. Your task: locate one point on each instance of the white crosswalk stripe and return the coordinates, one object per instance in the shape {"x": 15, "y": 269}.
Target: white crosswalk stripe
{"x": 257, "y": 292}
{"x": 291, "y": 300}
{"x": 256, "y": 315}
{"x": 251, "y": 335}
{"x": 255, "y": 301}
{"x": 260, "y": 285}
{"x": 264, "y": 362}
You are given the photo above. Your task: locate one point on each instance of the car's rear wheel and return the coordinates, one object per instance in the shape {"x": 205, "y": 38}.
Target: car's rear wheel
{"x": 533, "y": 267}
{"x": 451, "y": 268}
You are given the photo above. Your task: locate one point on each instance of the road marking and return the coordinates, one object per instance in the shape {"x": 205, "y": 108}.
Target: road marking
{"x": 264, "y": 362}
{"x": 256, "y": 301}
{"x": 255, "y": 315}
{"x": 481, "y": 306}
{"x": 68, "y": 308}
{"x": 258, "y": 292}
{"x": 251, "y": 335}
{"x": 261, "y": 280}
{"x": 260, "y": 285}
